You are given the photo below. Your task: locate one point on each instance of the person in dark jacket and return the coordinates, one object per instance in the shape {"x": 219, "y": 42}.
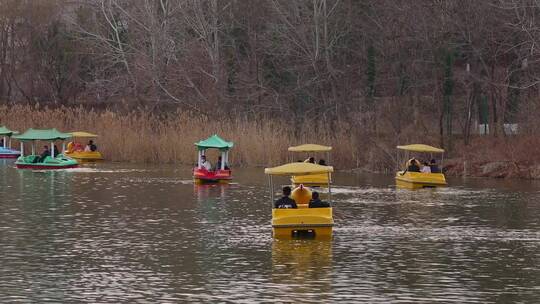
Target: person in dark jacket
{"x": 310, "y": 159}
{"x": 315, "y": 202}
{"x": 46, "y": 152}
{"x": 285, "y": 201}
{"x": 91, "y": 147}
{"x": 413, "y": 166}
{"x": 434, "y": 167}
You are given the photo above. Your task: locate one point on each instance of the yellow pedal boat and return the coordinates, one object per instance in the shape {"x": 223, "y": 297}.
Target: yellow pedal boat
{"x": 313, "y": 180}
{"x": 303, "y": 221}
{"x": 416, "y": 180}
{"x": 75, "y": 149}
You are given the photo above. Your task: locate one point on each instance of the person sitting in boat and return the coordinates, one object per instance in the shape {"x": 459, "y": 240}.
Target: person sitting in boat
{"x": 316, "y": 202}
{"x": 285, "y": 202}
{"x": 413, "y": 165}
{"x": 78, "y": 147}
{"x": 43, "y": 155}
{"x": 56, "y": 151}
{"x": 434, "y": 167}
{"x": 322, "y": 162}
{"x": 310, "y": 159}
{"x": 90, "y": 147}
{"x": 70, "y": 146}
{"x": 218, "y": 164}
{"x": 426, "y": 168}
{"x": 205, "y": 164}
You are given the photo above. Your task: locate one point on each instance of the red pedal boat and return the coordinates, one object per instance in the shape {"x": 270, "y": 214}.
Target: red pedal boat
{"x": 205, "y": 172}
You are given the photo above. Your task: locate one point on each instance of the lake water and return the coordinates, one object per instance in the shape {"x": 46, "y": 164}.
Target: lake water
{"x": 113, "y": 233}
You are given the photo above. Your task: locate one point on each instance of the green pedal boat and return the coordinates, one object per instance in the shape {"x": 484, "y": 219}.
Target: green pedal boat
{"x": 49, "y": 159}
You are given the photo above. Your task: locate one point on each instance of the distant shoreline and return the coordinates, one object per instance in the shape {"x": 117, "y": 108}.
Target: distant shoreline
{"x": 259, "y": 141}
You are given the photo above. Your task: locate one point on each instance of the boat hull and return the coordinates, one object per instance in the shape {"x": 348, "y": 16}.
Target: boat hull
{"x": 86, "y": 156}
{"x": 302, "y": 222}
{"x": 56, "y": 163}
{"x": 418, "y": 180}
{"x": 202, "y": 176}
{"x": 44, "y": 167}
{"x": 9, "y": 153}
{"x": 10, "y": 156}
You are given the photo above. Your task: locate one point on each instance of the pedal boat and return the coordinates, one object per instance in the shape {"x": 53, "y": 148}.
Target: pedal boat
{"x": 419, "y": 180}
{"x": 83, "y": 156}
{"x": 54, "y": 161}
{"x": 309, "y": 222}
{"x": 5, "y": 150}
{"x": 223, "y": 174}
{"x": 312, "y": 180}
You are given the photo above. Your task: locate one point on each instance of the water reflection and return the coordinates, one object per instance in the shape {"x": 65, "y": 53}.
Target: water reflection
{"x": 302, "y": 267}
{"x": 127, "y": 233}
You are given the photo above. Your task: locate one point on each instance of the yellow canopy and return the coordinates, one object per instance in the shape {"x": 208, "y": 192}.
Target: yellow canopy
{"x": 421, "y": 148}
{"x": 82, "y": 134}
{"x": 299, "y": 169}
{"x": 310, "y": 148}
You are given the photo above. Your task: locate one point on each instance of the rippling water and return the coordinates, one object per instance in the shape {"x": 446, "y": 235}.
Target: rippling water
{"x": 126, "y": 233}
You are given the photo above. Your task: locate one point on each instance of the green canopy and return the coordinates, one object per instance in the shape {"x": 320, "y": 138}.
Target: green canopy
{"x": 215, "y": 142}
{"x": 6, "y": 131}
{"x": 47, "y": 134}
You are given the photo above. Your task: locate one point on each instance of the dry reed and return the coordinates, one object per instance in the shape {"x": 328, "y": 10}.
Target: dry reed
{"x": 139, "y": 136}
{"x": 142, "y": 137}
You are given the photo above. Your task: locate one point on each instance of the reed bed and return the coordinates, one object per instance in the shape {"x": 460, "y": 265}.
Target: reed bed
{"x": 142, "y": 137}
{"x": 139, "y": 136}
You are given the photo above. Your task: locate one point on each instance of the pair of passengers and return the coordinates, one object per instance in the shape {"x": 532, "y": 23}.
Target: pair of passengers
{"x": 288, "y": 203}
{"x": 415, "y": 166}
{"x": 208, "y": 166}
{"x": 46, "y": 152}
{"x": 311, "y": 160}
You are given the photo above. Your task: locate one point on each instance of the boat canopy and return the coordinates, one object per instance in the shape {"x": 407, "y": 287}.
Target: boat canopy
{"x": 82, "y": 134}
{"x": 215, "y": 142}
{"x": 299, "y": 169}
{"x": 7, "y": 132}
{"x": 310, "y": 148}
{"x": 45, "y": 134}
{"x": 421, "y": 148}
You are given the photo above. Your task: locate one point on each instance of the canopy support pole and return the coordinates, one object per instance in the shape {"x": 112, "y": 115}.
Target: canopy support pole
{"x": 223, "y": 160}
{"x": 4, "y": 142}
{"x": 442, "y": 162}
{"x": 328, "y": 157}
{"x": 271, "y": 190}
{"x": 329, "y": 190}
{"x": 33, "y": 148}
{"x": 63, "y": 147}
{"x": 199, "y": 155}
{"x": 22, "y": 148}
{"x": 52, "y": 149}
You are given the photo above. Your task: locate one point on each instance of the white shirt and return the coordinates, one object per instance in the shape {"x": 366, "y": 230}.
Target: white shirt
{"x": 207, "y": 165}
{"x": 425, "y": 169}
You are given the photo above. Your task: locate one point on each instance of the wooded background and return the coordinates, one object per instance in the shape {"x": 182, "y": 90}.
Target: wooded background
{"x": 434, "y": 69}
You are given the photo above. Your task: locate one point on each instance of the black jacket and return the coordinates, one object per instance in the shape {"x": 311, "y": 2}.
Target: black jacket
{"x": 318, "y": 204}
{"x": 285, "y": 202}
{"x": 413, "y": 168}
